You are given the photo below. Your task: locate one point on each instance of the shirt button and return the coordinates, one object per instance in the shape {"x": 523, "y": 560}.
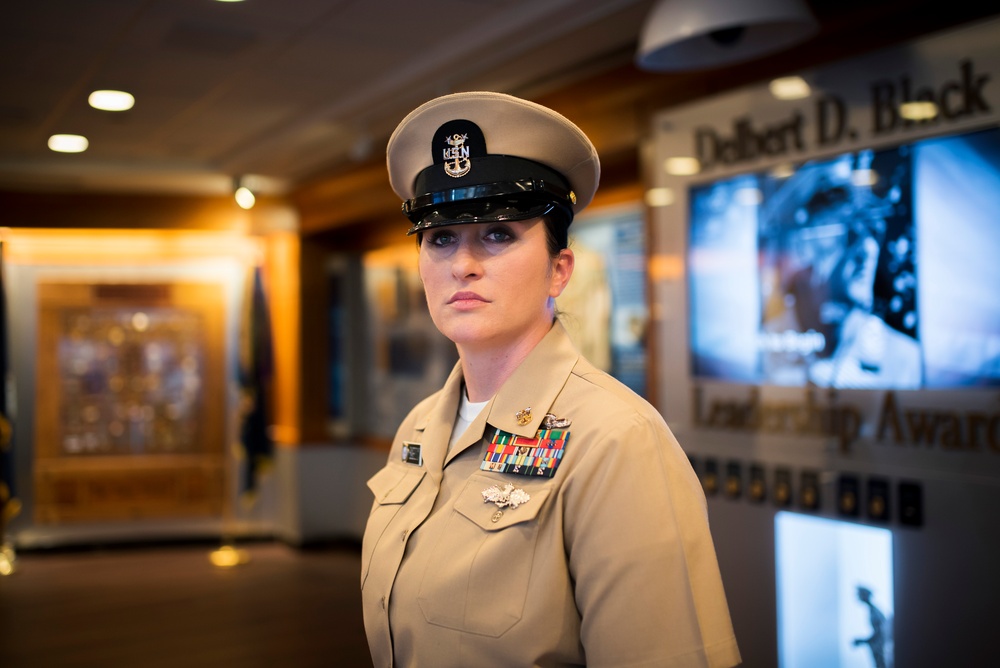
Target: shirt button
{"x": 403, "y": 536}
{"x": 383, "y": 602}
{"x": 496, "y": 516}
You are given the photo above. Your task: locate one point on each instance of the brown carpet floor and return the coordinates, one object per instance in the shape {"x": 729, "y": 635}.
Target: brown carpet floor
{"x": 168, "y": 606}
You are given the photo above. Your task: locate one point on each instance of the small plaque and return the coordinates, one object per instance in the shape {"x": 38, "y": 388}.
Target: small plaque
{"x": 848, "y": 500}
{"x": 757, "y": 491}
{"x": 734, "y": 480}
{"x": 809, "y": 490}
{"x": 878, "y": 499}
{"x": 911, "y": 504}
{"x": 782, "y": 487}
{"x": 710, "y": 477}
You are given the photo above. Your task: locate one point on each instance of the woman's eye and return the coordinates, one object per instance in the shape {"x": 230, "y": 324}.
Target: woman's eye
{"x": 442, "y": 238}
{"x": 499, "y": 235}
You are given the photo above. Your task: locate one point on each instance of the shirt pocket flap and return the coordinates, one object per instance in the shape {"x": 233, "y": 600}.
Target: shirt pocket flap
{"x": 488, "y": 515}
{"x": 395, "y": 484}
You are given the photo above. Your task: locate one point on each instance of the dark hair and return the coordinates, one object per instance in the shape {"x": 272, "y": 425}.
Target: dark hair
{"x": 556, "y": 233}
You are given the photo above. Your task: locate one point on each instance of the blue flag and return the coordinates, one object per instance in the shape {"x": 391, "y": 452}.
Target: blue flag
{"x": 9, "y": 504}
{"x": 255, "y": 373}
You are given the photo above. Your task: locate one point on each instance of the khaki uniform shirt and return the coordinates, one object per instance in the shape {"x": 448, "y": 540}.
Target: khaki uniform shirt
{"x": 608, "y": 563}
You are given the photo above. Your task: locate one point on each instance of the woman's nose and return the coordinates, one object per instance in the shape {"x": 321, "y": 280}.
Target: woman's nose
{"x": 466, "y": 261}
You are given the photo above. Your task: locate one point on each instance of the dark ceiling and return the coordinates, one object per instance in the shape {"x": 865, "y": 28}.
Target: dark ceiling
{"x": 289, "y": 90}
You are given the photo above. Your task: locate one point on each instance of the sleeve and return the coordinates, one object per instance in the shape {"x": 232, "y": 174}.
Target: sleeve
{"x": 647, "y": 581}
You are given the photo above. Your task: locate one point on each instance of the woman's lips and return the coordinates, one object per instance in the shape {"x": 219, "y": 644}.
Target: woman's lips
{"x": 466, "y": 298}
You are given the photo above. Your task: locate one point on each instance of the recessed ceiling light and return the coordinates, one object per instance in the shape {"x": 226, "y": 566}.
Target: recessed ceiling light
{"x": 111, "y": 100}
{"x": 68, "y": 143}
{"x": 789, "y": 88}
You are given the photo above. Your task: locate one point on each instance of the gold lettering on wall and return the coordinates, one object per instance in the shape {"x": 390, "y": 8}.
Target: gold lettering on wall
{"x": 913, "y": 427}
{"x": 946, "y": 429}
{"x": 810, "y": 418}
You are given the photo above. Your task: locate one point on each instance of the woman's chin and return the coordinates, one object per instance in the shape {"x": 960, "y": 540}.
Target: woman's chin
{"x": 467, "y": 336}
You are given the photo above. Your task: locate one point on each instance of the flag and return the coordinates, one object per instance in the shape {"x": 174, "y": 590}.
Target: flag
{"x": 255, "y": 373}
{"x": 9, "y": 504}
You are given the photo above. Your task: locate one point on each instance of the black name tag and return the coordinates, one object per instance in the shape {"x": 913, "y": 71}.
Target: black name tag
{"x": 411, "y": 453}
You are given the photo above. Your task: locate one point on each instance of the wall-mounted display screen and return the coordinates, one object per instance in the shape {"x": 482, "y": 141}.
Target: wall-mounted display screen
{"x": 871, "y": 269}
{"x": 835, "y": 593}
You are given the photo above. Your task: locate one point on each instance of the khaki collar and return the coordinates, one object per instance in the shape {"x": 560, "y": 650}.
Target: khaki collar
{"x": 534, "y": 385}
{"x": 529, "y": 393}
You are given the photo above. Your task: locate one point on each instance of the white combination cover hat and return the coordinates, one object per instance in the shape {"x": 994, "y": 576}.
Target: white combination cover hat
{"x": 483, "y": 156}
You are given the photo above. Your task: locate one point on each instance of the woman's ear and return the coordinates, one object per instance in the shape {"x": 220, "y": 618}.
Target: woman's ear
{"x": 562, "y": 270}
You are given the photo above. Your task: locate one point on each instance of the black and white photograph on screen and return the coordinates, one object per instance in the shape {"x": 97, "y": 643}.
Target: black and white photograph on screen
{"x": 868, "y": 270}
{"x": 838, "y": 275}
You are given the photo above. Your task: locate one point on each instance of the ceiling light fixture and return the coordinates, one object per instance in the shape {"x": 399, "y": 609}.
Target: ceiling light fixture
{"x": 243, "y": 195}
{"x": 692, "y": 34}
{"x": 68, "y": 143}
{"x": 111, "y": 100}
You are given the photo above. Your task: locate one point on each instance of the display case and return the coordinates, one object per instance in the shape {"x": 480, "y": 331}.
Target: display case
{"x": 130, "y": 417}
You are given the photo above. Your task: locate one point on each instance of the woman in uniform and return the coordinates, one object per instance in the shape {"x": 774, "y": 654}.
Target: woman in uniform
{"x": 534, "y": 511}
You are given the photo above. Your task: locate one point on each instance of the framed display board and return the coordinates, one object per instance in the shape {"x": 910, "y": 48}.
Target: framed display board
{"x": 130, "y": 420}
{"x": 828, "y": 339}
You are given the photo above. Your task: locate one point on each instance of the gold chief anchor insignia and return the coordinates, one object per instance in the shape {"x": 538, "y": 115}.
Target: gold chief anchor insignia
{"x": 523, "y": 416}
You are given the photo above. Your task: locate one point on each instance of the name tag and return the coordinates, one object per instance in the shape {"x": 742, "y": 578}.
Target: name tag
{"x": 411, "y": 453}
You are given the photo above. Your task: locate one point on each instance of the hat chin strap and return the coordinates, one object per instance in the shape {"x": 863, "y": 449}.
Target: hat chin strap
{"x": 532, "y": 190}
{"x": 488, "y": 211}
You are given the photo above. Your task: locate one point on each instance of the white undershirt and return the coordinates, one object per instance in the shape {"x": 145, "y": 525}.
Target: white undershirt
{"x": 467, "y": 412}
